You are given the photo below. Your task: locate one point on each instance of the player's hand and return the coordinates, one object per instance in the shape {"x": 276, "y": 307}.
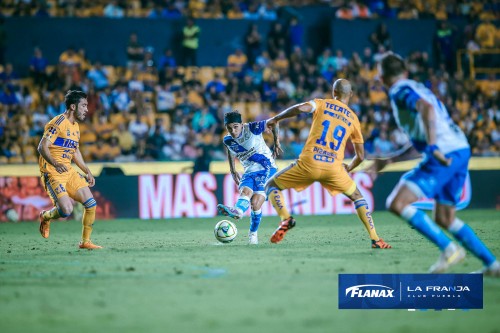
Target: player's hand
{"x": 346, "y": 167}
{"x": 438, "y": 155}
{"x": 60, "y": 167}
{"x": 236, "y": 178}
{"x": 377, "y": 166}
{"x": 90, "y": 179}
{"x": 277, "y": 151}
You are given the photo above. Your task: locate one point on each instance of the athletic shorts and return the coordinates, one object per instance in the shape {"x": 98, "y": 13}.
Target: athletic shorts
{"x": 432, "y": 180}
{"x": 300, "y": 176}
{"x": 256, "y": 181}
{"x": 61, "y": 184}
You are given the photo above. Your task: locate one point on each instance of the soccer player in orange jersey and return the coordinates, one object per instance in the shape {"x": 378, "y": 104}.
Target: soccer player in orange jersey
{"x": 322, "y": 158}
{"x": 58, "y": 147}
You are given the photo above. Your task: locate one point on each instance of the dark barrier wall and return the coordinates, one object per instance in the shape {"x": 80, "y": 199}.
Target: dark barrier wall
{"x": 166, "y": 196}
{"x": 106, "y": 39}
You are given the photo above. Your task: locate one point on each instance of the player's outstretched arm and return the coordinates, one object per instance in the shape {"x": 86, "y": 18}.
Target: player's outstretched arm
{"x": 277, "y": 150}
{"x": 78, "y": 159}
{"x": 234, "y": 173}
{"x": 292, "y": 111}
{"x": 358, "y": 158}
{"x": 427, "y": 113}
{"x": 43, "y": 149}
{"x": 406, "y": 153}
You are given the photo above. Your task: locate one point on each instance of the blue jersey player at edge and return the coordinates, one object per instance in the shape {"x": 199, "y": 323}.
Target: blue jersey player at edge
{"x": 440, "y": 175}
{"x": 245, "y": 142}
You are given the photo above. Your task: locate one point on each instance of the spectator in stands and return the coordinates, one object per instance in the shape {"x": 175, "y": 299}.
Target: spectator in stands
{"x": 138, "y": 128}
{"x": 135, "y": 51}
{"x": 486, "y": 34}
{"x": 381, "y": 36}
{"x": 408, "y": 12}
{"x": 267, "y": 10}
{"x": 99, "y": 76}
{"x": 276, "y": 40}
{"x": 295, "y": 33}
{"x": 126, "y": 140}
{"x": 360, "y": 10}
{"x": 155, "y": 143}
{"x": 445, "y": 49}
{"x": 326, "y": 60}
{"x": 190, "y": 42}
{"x": 345, "y": 12}
{"x": 156, "y": 11}
{"x": 203, "y": 121}
{"x": 165, "y": 99}
{"x": 38, "y": 68}
{"x": 253, "y": 42}
{"x": 171, "y": 12}
{"x": 113, "y": 10}
{"x": 339, "y": 60}
{"x": 236, "y": 62}
{"x": 9, "y": 77}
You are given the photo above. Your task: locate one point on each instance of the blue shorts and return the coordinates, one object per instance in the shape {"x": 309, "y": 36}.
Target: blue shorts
{"x": 256, "y": 181}
{"x": 439, "y": 182}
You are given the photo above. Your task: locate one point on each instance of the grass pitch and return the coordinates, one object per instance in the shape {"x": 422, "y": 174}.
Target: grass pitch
{"x": 172, "y": 276}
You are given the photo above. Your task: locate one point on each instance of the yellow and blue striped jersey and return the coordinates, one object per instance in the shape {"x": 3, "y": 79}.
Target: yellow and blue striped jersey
{"x": 64, "y": 137}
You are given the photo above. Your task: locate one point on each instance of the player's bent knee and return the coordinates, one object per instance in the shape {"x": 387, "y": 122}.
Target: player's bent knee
{"x": 65, "y": 210}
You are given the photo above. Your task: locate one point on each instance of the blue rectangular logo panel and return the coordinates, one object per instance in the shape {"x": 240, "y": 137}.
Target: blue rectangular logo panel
{"x": 411, "y": 291}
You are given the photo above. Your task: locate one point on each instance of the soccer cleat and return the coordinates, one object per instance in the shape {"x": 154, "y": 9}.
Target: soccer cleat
{"x": 284, "y": 226}
{"x": 252, "y": 238}
{"x": 380, "y": 244}
{"x": 89, "y": 246}
{"x": 448, "y": 258}
{"x": 44, "y": 227}
{"x": 233, "y": 212}
{"x": 492, "y": 270}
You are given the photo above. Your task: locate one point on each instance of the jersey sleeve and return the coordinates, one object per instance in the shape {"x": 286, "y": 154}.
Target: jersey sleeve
{"x": 51, "y": 132}
{"x": 406, "y": 98}
{"x": 313, "y": 104}
{"x": 257, "y": 127}
{"x": 357, "y": 135}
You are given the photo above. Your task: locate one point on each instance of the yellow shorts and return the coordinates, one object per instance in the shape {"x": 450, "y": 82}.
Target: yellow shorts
{"x": 61, "y": 184}
{"x": 300, "y": 176}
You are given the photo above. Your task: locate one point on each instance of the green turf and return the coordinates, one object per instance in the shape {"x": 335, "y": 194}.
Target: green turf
{"x": 172, "y": 276}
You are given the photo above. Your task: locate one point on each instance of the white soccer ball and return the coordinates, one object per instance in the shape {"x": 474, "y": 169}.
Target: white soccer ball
{"x": 225, "y": 231}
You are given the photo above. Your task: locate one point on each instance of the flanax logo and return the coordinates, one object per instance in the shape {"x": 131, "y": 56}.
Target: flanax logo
{"x": 369, "y": 290}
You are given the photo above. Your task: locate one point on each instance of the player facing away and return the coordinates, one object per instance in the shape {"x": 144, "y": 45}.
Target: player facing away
{"x": 58, "y": 147}
{"x": 440, "y": 175}
{"x": 322, "y": 158}
{"x": 245, "y": 142}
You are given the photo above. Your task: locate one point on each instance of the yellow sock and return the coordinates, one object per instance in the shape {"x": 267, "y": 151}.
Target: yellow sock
{"x": 88, "y": 219}
{"x": 366, "y": 217}
{"x": 278, "y": 202}
{"x": 51, "y": 214}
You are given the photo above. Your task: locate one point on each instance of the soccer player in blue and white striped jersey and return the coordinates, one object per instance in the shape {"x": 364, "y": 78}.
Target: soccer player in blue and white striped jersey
{"x": 440, "y": 175}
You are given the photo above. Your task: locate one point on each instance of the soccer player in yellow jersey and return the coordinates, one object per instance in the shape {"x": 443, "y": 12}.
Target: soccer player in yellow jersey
{"x": 322, "y": 158}
{"x": 58, "y": 147}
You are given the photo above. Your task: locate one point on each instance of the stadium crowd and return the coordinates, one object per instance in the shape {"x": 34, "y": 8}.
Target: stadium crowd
{"x": 155, "y": 109}
{"x": 250, "y": 9}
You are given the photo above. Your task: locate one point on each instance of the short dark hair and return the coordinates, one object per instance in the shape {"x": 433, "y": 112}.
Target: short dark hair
{"x": 392, "y": 65}
{"x": 232, "y": 117}
{"x": 73, "y": 97}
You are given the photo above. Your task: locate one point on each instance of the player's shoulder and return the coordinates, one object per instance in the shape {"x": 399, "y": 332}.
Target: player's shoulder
{"x": 227, "y": 139}
{"x": 403, "y": 87}
{"x": 57, "y": 120}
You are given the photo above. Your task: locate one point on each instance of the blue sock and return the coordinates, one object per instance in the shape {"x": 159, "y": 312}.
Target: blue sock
{"x": 243, "y": 203}
{"x": 426, "y": 226}
{"x": 255, "y": 221}
{"x": 471, "y": 241}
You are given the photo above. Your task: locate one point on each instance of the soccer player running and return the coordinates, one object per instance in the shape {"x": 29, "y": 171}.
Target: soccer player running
{"x": 245, "y": 142}
{"x": 322, "y": 158}
{"x": 440, "y": 175}
{"x": 58, "y": 147}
